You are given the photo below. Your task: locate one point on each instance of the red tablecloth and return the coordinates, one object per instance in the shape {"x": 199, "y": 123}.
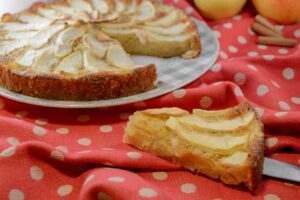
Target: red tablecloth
{"x": 48, "y": 153}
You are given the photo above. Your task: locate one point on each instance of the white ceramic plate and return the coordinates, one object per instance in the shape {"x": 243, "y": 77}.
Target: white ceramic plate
{"x": 173, "y": 73}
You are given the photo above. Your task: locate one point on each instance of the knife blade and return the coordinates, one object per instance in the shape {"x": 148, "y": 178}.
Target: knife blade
{"x": 282, "y": 170}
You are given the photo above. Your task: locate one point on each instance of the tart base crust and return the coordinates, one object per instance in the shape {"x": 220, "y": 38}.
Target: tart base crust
{"x": 104, "y": 85}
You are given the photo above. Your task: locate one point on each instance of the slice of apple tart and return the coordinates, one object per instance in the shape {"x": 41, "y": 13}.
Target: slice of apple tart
{"x": 80, "y": 49}
{"x": 225, "y": 144}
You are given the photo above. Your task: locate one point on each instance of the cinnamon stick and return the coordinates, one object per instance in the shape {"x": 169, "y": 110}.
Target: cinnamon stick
{"x": 265, "y": 22}
{"x": 277, "y": 41}
{"x": 262, "y": 30}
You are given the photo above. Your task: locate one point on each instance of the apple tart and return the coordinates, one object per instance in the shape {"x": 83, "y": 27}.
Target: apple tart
{"x": 225, "y": 144}
{"x": 80, "y": 49}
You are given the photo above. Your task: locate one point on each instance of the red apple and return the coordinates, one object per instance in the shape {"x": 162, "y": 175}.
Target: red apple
{"x": 281, "y": 11}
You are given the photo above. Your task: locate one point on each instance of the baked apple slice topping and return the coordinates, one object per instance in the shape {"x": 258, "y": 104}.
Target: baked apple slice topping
{"x": 146, "y": 11}
{"x": 70, "y": 64}
{"x": 101, "y": 6}
{"x": 63, "y": 43}
{"x": 67, "y": 27}
{"x": 117, "y": 57}
{"x": 51, "y": 14}
{"x": 33, "y": 18}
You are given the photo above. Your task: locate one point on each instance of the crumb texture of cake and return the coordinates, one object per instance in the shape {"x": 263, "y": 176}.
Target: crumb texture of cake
{"x": 224, "y": 144}
{"x": 83, "y": 47}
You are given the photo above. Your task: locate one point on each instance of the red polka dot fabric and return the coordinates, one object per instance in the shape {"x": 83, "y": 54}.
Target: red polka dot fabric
{"x": 48, "y": 153}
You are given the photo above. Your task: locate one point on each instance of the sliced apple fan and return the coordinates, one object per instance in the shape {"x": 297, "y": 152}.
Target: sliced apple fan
{"x": 62, "y": 39}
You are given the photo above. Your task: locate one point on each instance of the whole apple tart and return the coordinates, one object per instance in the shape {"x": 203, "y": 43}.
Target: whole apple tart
{"x": 80, "y": 49}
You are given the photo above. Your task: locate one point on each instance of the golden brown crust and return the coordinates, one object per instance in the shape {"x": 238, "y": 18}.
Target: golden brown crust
{"x": 89, "y": 87}
{"x": 195, "y": 43}
{"x": 256, "y": 159}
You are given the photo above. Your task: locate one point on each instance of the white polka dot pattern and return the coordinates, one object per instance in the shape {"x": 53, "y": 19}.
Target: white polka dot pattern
{"x": 242, "y": 40}
{"x": 260, "y": 111}
{"x": 8, "y": 152}
{"x": 62, "y": 148}
{"x": 268, "y": 57}
{"x": 16, "y": 194}
{"x": 160, "y": 176}
{"x": 216, "y": 68}
{"x": 57, "y": 155}
{"x": 288, "y": 73}
{"x": 117, "y": 179}
{"x": 295, "y": 100}
{"x": 62, "y": 131}
{"x": 232, "y": 49}
{"x": 237, "y": 17}
{"x": 283, "y": 51}
{"x": 240, "y": 78}
{"x": 223, "y": 55}
{"x": 203, "y": 85}
{"x": 281, "y": 114}
{"x": 262, "y": 90}
{"x": 41, "y": 121}
{"x": 64, "y": 190}
{"x": 147, "y": 192}
{"x": 284, "y": 105}
{"x": 84, "y": 141}
{"x": 36, "y": 173}
{"x": 297, "y": 33}
{"x": 189, "y": 10}
{"x": 271, "y": 197}
{"x": 227, "y": 25}
{"x": 179, "y": 93}
{"x": 262, "y": 47}
{"x": 238, "y": 92}
{"x": 105, "y": 128}
{"x": 134, "y": 155}
{"x": 252, "y": 53}
{"x": 40, "y": 131}
{"x": 271, "y": 142}
{"x": 12, "y": 141}
{"x": 206, "y": 102}
{"x": 188, "y": 188}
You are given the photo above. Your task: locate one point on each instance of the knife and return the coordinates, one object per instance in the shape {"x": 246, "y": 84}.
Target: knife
{"x": 282, "y": 170}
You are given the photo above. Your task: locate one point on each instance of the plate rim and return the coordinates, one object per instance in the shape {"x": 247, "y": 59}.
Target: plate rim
{"x": 101, "y": 103}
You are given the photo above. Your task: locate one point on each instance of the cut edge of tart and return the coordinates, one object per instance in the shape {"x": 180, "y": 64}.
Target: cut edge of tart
{"x": 224, "y": 144}
{"x": 80, "y": 49}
